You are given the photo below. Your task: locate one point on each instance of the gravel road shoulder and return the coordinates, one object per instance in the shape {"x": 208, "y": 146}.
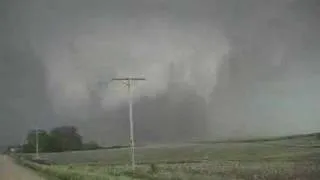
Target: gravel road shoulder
{"x": 11, "y": 171}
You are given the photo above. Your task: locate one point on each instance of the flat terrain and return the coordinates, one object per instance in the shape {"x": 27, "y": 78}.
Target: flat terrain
{"x": 293, "y": 158}
{"x": 10, "y": 171}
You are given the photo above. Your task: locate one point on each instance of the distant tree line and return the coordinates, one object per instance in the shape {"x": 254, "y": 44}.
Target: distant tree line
{"x": 59, "y": 139}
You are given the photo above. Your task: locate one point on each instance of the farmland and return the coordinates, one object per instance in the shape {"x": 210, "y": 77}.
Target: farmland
{"x": 291, "y": 158}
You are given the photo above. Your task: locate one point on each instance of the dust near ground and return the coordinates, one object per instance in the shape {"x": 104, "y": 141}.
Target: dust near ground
{"x": 10, "y": 171}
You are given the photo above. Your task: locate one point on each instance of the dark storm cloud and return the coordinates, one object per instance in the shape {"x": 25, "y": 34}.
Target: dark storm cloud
{"x": 271, "y": 71}
{"x": 240, "y": 56}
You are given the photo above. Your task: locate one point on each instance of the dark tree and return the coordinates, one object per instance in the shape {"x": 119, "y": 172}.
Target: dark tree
{"x": 65, "y": 138}
{"x": 44, "y": 141}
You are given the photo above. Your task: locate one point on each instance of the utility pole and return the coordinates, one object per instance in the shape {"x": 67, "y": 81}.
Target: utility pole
{"x": 37, "y": 143}
{"x": 128, "y": 82}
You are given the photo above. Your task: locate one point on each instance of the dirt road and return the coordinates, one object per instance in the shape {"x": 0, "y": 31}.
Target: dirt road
{"x": 10, "y": 171}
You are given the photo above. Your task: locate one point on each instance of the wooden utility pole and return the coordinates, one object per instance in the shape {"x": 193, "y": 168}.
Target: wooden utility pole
{"x": 128, "y": 82}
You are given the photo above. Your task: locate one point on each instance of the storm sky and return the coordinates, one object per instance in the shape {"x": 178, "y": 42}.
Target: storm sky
{"x": 255, "y": 63}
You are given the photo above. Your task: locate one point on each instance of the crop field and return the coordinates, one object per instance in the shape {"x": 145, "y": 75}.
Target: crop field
{"x": 281, "y": 159}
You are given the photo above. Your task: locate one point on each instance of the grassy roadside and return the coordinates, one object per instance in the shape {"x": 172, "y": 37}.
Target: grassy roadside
{"x": 34, "y": 167}
{"x": 52, "y": 173}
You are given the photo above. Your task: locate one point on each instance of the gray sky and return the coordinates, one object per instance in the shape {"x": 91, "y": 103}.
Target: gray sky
{"x": 254, "y": 62}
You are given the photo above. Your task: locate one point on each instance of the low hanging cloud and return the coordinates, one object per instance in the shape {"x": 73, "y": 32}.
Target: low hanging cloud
{"x": 240, "y": 57}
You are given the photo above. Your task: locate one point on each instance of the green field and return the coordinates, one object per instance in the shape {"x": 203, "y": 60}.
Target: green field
{"x": 281, "y": 159}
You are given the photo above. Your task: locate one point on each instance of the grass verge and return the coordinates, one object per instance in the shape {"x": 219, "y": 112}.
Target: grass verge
{"x": 51, "y": 173}
{"x": 34, "y": 167}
